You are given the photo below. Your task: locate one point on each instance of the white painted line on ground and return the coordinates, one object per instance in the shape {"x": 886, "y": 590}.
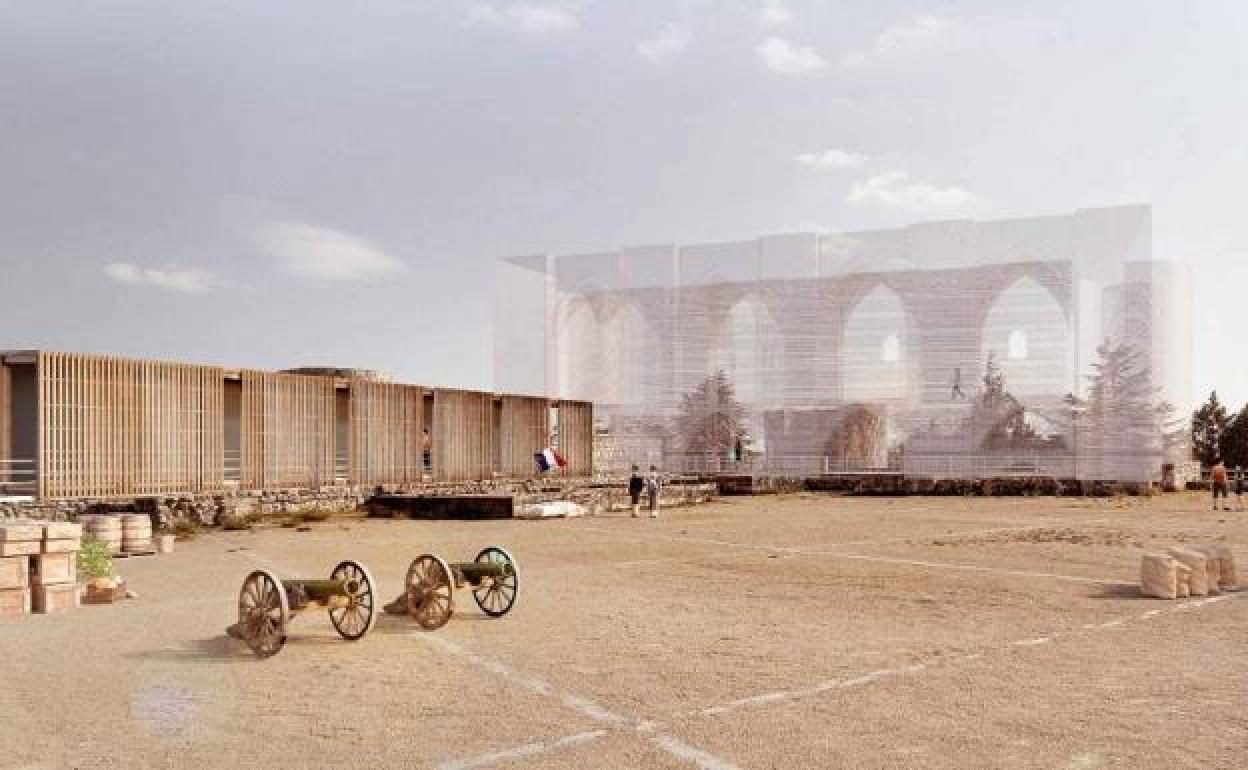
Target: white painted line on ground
{"x": 682, "y": 750}
{"x": 520, "y": 752}
{"x": 835, "y": 554}
{"x": 974, "y": 568}
{"x": 784, "y": 696}
{"x": 581, "y": 705}
{"x": 926, "y": 538}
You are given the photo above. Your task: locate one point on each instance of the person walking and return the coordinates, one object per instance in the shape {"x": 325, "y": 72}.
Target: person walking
{"x": 635, "y": 484}
{"x": 652, "y": 491}
{"x": 1218, "y": 476}
{"x": 1239, "y": 487}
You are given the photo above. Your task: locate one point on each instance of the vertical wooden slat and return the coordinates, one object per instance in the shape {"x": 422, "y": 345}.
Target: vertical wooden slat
{"x": 6, "y": 426}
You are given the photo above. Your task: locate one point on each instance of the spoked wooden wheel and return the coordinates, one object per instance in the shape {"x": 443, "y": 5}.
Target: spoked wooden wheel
{"x": 496, "y": 595}
{"x": 263, "y": 613}
{"x": 430, "y": 586}
{"x": 356, "y": 619}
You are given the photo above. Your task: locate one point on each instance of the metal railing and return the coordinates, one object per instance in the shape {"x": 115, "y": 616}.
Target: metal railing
{"x": 233, "y": 466}
{"x": 18, "y": 477}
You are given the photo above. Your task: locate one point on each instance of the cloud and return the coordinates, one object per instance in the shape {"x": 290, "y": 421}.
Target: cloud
{"x": 667, "y": 43}
{"x": 784, "y": 58}
{"x": 830, "y": 159}
{"x": 529, "y": 17}
{"x": 895, "y": 189}
{"x": 774, "y": 14}
{"x": 319, "y": 252}
{"x": 916, "y": 35}
{"x": 168, "y": 277}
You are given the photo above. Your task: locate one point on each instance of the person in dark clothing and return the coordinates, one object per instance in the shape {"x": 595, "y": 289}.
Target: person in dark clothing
{"x": 1239, "y": 487}
{"x": 636, "y": 483}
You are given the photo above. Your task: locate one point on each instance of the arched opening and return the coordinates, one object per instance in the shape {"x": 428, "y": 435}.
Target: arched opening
{"x": 750, "y": 351}
{"x": 1027, "y": 331}
{"x": 876, "y": 359}
{"x": 582, "y": 356}
{"x": 630, "y": 351}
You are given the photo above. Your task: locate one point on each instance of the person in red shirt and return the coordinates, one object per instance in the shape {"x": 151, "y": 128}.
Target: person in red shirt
{"x": 1220, "y": 484}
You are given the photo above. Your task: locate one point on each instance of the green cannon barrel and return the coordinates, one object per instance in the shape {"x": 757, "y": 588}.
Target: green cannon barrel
{"x": 475, "y": 571}
{"x": 316, "y": 590}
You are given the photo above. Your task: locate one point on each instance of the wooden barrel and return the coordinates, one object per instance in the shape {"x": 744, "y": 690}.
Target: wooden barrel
{"x": 105, "y": 527}
{"x": 136, "y": 532}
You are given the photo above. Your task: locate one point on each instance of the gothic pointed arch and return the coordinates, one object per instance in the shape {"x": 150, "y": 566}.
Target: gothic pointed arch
{"x": 1026, "y": 330}
{"x": 877, "y": 350}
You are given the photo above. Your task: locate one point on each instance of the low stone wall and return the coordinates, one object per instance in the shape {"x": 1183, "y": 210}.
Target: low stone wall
{"x": 1039, "y": 486}
{"x": 232, "y": 507}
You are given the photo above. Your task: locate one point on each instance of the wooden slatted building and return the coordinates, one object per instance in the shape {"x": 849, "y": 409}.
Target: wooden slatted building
{"x": 75, "y": 426}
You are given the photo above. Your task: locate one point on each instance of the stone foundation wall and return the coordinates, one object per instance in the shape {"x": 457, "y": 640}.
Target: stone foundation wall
{"x": 216, "y": 509}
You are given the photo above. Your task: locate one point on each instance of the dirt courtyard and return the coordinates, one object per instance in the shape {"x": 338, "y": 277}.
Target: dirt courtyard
{"x": 793, "y": 631}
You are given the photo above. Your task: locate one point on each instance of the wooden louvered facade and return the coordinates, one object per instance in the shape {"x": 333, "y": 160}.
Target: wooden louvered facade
{"x": 6, "y": 427}
{"x": 110, "y": 426}
{"x": 99, "y": 426}
{"x": 386, "y": 423}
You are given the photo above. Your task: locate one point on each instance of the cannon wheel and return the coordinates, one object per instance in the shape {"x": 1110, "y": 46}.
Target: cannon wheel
{"x": 430, "y": 586}
{"x": 356, "y": 619}
{"x": 496, "y": 598}
{"x": 263, "y": 613}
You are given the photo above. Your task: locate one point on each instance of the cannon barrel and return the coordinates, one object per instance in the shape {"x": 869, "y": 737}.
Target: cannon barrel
{"x": 475, "y": 571}
{"x": 318, "y": 590}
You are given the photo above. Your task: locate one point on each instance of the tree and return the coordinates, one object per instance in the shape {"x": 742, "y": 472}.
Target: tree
{"x": 1124, "y": 429}
{"x": 860, "y": 440}
{"x": 1000, "y": 421}
{"x": 710, "y": 418}
{"x": 1209, "y": 423}
{"x": 1234, "y": 440}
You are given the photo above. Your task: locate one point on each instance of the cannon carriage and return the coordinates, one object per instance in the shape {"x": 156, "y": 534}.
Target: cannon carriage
{"x": 267, "y": 605}
{"x": 493, "y": 578}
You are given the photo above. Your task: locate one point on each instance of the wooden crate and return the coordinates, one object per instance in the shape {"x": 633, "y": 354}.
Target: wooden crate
{"x": 20, "y": 532}
{"x": 56, "y": 597}
{"x": 20, "y": 548}
{"x": 107, "y": 595}
{"x": 20, "y": 538}
{"x": 62, "y": 530}
{"x": 49, "y": 568}
{"x": 62, "y": 546}
{"x": 14, "y": 572}
{"x": 14, "y": 601}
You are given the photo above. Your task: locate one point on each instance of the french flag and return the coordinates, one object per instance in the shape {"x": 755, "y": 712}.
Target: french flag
{"x": 549, "y": 458}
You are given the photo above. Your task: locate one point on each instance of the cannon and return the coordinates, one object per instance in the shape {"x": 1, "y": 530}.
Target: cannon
{"x": 267, "y": 604}
{"x": 431, "y": 584}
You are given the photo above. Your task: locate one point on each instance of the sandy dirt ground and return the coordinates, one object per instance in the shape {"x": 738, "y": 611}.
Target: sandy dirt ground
{"x": 795, "y": 631}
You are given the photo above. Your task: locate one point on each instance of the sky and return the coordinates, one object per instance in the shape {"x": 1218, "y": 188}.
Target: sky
{"x": 303, "y": 182}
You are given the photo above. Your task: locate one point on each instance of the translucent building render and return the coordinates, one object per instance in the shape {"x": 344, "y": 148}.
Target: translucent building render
{"x": 1051, "y": 346}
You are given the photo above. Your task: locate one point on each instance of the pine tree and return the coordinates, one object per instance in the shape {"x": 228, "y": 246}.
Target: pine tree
{"x": 1122, "y": 424}
{"x": 1234, "y": 440}
{"x": 710, "y": 418}
{"x": 1000, "y": 421}
{"x": 1209, "y": 423}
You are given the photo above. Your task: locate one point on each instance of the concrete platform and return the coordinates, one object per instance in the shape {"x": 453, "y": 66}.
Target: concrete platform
{"x": 454, "y": 507}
